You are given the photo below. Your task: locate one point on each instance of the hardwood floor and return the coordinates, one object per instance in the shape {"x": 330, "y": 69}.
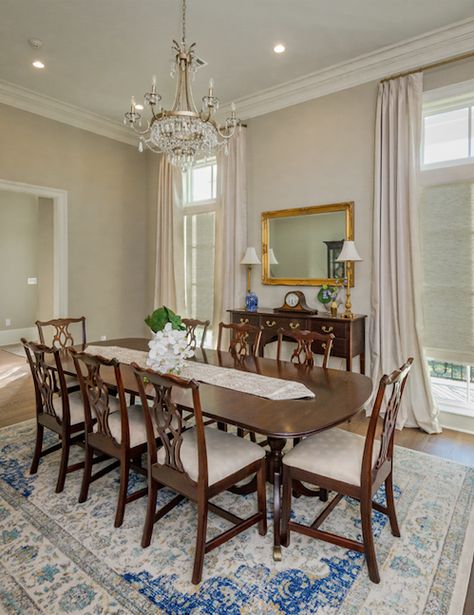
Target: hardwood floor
{"x": 17, "y": 395}
{"x": 17, "y": 403}
{"x": 449, "y": 444}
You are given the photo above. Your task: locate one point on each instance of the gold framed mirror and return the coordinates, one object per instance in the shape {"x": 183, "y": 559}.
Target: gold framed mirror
{"x": 300, "y": 245}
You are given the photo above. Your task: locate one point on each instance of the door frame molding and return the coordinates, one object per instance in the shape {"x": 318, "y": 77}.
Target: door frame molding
{"x": 60, "y": 239}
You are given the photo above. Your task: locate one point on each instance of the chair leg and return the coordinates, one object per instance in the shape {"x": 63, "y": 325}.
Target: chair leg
{"x": 150, "y": 512}
{"x": 368, "y": 538}
{"x": 392, "y": 515}
{"x": 286, "y": 507}
{"x": 323, "y": 494}
{"x": 200, "y": 541}
{"x": 86, "y": 477}
{"x": 262, "y": 499}
{"x": 122, "y": 500}
{"x": 64, "y": 463}
{"x": 38, "y": 447}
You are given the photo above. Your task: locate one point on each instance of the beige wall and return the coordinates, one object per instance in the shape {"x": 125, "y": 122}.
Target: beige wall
{"x": 18, "y": 259}
{"x": 108, "y": 242}
{"x": 315, "y": 153}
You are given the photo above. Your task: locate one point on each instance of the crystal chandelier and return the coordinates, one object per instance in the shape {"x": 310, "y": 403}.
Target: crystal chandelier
{"x": 182, "y": 133}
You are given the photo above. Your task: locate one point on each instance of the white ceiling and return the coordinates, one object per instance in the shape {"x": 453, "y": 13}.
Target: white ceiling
{"x": 99, "y": 52}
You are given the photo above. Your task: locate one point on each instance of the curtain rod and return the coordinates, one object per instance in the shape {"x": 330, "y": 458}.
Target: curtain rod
{"x": 464, "y": 56}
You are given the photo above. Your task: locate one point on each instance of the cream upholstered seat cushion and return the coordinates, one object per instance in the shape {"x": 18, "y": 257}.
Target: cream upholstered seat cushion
{"x": 136, "y": 424}
{"x": 76, "y": 407}
{"x": 334, "y": 453}
{"x": 226, "y": 454}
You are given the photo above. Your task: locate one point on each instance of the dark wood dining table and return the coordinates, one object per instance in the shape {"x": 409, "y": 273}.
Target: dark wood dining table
{"x": 339, "y": 395}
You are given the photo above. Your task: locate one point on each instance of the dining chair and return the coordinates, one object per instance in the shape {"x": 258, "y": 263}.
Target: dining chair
{"x": 303, "y": 354}
{"x": 62, "y": 337}
{"x": 196, "y": 463}
{"x": 244, "y": 339}
{"x": 57, "y": 409}
{"x": 192, "y": 325}
{"x": 111, "y": 427}
{"x": 350, "y": 465}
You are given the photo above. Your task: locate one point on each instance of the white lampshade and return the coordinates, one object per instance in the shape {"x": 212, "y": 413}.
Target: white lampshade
{"x": 348, "y": 252}
{"x": 250, "y": 257}
{"x": 271, "y": 257}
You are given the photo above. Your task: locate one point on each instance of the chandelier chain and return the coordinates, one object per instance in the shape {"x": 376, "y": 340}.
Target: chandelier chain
{"x": 183, "y": 19}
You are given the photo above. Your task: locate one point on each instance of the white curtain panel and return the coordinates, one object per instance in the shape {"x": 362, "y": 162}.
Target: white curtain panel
{"x": 231, "y": 229}
{"x": 169, "y": 266}
{"x": 396, "y": 312}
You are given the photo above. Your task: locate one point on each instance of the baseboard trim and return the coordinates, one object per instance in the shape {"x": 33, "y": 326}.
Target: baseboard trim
{"x": 457, "y": 422}
{"x": 13, "y": 336}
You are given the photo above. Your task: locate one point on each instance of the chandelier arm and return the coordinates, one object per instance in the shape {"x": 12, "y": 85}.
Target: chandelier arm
{"x": 140, "y": 132}
{"x": 226, "y": 135}
{"x": 206, "y": 118}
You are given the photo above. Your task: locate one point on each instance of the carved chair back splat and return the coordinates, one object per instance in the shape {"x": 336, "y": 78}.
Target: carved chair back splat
{"x": 245, "y": 339}
{"x": 62, "y": 337}
{"x": 192, "y": 325}
{"x": 303, "y": 353}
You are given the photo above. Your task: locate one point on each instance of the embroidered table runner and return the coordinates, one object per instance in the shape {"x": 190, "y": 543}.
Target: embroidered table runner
{"x": 245, "y": 382}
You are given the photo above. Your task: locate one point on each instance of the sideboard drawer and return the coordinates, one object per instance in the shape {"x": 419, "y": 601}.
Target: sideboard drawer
{"x": 339, "y": 329}
{"x": 339, "y": 347}
{"x": 274, "y": 323}
{"x": 245, "y": 319}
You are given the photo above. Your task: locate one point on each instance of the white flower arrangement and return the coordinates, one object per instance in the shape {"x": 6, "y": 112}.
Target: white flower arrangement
{"x": 168, "y": 350}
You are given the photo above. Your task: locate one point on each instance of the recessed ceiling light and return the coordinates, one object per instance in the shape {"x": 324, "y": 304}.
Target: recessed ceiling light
{"x": 139, "y": 107}
{"x": 279, "y": 48}
{"x": 38, "y": 64}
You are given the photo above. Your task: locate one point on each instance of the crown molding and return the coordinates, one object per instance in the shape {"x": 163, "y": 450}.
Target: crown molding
{"x": 410, "y": 54}
{"x": 433, "y": 46}
{"x": 34, "y": 102}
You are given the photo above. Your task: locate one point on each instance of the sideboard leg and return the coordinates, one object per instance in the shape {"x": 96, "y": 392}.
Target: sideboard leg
{"x": 362, "y": 363}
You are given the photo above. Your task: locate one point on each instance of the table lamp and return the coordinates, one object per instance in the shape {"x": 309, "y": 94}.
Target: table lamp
{"x": 348, "y": 255}
{"x": 250, "y": 258}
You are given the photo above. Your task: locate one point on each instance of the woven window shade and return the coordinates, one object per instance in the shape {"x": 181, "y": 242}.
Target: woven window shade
{"x": 447, "y": 230}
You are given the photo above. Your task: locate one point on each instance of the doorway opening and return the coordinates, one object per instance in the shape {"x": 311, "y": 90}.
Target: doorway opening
{"x": 33, "y": 258}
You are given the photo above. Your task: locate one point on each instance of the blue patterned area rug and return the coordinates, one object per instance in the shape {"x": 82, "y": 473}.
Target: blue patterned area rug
{"x": 58, "y": 556}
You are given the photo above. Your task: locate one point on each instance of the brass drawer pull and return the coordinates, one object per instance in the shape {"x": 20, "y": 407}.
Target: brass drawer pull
{"x": 327, "y": 329}
{"x": 270, "y": 323}
{"x": 294, "y": 325}
{"x": 244, "y": 321}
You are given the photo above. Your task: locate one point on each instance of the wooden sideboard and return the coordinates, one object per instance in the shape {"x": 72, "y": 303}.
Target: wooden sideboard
{"x": 350, "y": 334}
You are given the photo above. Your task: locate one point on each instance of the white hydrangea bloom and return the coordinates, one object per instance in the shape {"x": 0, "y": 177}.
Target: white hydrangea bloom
{"x": 168, "y": 350}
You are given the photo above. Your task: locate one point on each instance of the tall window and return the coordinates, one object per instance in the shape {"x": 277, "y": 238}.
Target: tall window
{"x": 199, "y": 190}
{"x": 447, "y": 230}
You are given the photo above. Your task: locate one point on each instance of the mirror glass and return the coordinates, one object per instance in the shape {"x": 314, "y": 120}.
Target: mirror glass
{"x": 300, "y": 246}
